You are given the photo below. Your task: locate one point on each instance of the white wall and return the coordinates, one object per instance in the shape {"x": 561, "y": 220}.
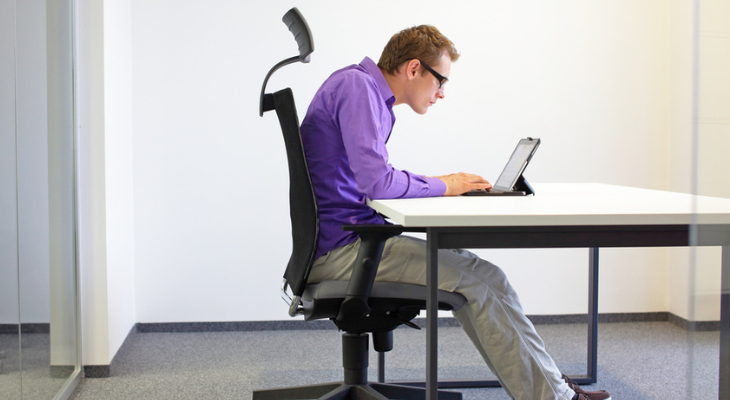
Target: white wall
{"x": 713, "y": 128}
{"x": 184, "y": 213}
{"x": 681, "y": 151}
{"x": 91, "y": 184}
{"x": 119, "y": 169}
{"x": 106, "y": 223}
{"x": 592, "y": 79}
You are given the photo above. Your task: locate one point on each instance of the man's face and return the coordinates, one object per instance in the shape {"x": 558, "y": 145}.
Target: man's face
{"x": 427, "y": 87}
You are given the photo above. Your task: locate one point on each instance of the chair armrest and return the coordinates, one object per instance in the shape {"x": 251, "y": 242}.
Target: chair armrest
{"x": 382, "y": 228}
{"x": 373, "y": 239}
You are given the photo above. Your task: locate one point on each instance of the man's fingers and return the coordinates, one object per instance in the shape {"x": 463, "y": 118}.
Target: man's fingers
{"x": 470, "y": 177}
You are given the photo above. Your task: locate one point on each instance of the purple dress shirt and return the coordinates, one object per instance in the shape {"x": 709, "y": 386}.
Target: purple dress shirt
{"x": 344, "y": 134}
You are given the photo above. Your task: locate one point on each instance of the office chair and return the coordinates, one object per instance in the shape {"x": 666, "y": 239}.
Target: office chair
{"x": 358, "y": 307}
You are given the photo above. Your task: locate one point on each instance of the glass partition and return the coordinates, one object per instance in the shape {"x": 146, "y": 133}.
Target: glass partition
{"x": 39, "y": 335}
{"x": 64, "y": 334}
{"x": 9, "y": 309}
{"x": 710, "y": 181}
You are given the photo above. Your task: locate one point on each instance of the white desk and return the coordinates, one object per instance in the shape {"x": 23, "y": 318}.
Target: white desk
{"x": 568, "y": 215}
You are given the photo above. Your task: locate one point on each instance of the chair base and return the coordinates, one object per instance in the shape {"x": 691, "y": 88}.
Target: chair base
{"x": 355, "y": 385}
{"x": 342, "y": 391}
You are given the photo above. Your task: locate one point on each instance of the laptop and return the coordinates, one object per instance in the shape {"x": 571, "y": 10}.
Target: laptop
{"x": 510, "y": 181}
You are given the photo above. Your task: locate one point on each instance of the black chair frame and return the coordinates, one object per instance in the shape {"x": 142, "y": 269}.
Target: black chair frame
{"x": 359, "y": 307}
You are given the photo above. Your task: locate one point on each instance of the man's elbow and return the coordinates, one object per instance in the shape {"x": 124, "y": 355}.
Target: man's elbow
{"x": 384, "y": 192}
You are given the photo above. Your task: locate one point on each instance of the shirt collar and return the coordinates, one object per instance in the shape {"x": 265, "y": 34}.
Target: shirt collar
{"x": 377, "y": 74}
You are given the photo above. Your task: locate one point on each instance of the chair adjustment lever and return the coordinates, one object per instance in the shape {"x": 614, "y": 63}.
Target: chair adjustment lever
{"x": 405, "y": 321}
{"x": 411, "y": 324}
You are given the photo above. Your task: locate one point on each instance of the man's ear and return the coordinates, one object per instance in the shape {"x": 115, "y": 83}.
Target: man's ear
{"x": 412, "y": 68}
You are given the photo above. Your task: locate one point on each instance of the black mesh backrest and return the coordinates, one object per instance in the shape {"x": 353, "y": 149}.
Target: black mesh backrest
{"x": 302, "y": 201}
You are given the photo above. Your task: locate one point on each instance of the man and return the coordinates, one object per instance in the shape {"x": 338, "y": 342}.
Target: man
{"x": 344, "y": 134}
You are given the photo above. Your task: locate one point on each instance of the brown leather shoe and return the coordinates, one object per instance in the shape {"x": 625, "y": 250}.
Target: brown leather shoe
{"x": 586, "y": 395}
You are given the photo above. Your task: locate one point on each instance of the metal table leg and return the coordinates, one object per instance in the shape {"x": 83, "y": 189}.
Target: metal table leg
{"x": 591, "y": 375}
{"x": 432, "y": 315}
{"x": 724, "y": 385}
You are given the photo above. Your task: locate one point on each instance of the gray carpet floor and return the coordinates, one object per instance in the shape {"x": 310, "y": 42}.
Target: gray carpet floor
{"x": 636, "y": 361}
{"x": 32, "y": 378}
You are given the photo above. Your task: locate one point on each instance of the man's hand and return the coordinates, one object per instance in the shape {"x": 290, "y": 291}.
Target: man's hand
{"x": 462, "y": 182}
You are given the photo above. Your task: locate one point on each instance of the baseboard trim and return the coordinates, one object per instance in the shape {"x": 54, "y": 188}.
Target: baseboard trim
{"x": 628, "y": 317}
{"x": 694, "y": 326}
{"x": 14, "y": 329}
{"x": 246, "y": 326}
{"x": 98, "y": 371}
{"x": 105, "y": 371}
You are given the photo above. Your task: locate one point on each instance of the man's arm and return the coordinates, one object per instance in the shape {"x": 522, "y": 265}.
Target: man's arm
{"x": 365, "y": 122}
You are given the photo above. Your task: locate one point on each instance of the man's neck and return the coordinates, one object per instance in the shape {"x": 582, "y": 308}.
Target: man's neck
{"x": 395, "y": 82}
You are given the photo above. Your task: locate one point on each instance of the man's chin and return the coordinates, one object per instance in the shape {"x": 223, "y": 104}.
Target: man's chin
{"x": 420, "y": 111}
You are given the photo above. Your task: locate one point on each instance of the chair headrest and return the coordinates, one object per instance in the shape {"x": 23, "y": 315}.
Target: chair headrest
{"x": 298, "y": 27}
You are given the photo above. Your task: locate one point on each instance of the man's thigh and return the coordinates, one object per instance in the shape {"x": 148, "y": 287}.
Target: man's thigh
{"x": 403, "y": 260}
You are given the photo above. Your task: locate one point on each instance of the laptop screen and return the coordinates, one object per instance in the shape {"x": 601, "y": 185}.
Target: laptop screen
{"x": 516, "y": 164}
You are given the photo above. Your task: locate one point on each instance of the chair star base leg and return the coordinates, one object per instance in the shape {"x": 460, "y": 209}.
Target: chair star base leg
{"x": 355, "y": 385}
{"x": 340, "y": 391}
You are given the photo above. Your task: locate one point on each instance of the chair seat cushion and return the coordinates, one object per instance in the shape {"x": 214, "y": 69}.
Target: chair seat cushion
{"x": 323, "y": 300}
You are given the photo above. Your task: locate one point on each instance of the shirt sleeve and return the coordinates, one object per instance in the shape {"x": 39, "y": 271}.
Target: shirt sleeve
{"x": 365, "y": 122}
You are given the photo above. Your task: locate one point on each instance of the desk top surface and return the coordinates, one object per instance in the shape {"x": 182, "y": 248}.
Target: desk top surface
{"x": 560, "y": 204}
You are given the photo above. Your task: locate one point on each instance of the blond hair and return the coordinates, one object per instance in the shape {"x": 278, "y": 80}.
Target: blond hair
{"x": 423, "y": 42}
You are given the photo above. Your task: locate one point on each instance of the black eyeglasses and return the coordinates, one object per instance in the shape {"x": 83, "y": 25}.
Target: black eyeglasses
{"x": 442, "y": 79}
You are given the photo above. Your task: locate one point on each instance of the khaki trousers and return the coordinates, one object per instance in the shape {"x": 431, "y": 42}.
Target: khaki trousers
{"x": 492, "y": 318}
